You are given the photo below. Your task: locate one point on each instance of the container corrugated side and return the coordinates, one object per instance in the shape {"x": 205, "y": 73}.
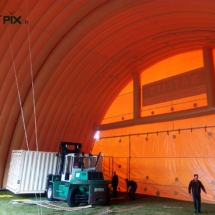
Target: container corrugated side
{"x": 29, "y": 169}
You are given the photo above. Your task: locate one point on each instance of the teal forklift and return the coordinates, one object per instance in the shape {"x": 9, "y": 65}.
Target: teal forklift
{"x": 78, "y": 178}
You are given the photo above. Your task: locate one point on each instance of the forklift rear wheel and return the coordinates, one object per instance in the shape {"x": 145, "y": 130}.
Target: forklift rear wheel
{"x": 72, "y": 202}
{"x": 108, "y": 197}
{"x": 50, "y": 193}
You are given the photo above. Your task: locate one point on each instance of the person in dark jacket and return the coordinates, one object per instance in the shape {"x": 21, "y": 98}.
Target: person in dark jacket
{"x": 196, "y": 186}
{"x": 115, "y": 182}
{"x": 133, "y": 188}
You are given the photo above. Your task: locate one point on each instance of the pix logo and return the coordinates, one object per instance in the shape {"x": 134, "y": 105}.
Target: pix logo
{"x": 12, "y": 19}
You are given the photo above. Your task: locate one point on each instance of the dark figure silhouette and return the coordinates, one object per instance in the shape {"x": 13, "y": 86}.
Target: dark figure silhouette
{"x": 115, "y": 182}
{"x": 196, "y": 186}
{"x": 133, "y": 188}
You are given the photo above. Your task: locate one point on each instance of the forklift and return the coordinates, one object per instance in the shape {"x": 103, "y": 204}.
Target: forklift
{"x": 78, "y": 178}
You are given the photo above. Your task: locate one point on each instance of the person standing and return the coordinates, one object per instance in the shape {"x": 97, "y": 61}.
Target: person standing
{"x": 133, "y": 188}
{"x": 195, "y": 185}
{"x": 115, "y": 182}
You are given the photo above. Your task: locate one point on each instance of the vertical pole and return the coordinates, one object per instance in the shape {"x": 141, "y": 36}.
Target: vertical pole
{"x": 136, "y": 95}
{"x": 112, "y": 165}
{"x": 129, "y": 157}
{"x": 109, "y": 165}
{"x": 209, "y": 69}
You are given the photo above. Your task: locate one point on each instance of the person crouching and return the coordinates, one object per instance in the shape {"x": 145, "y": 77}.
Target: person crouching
{"x": 131, "y": 188}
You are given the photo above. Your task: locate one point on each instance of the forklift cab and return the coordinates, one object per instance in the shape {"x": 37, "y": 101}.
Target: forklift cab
{"x": 75, "y": 162}
{"x": 72, "y": 164}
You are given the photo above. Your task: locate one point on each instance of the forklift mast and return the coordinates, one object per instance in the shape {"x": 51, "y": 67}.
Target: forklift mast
{"x": 65, "y": 151}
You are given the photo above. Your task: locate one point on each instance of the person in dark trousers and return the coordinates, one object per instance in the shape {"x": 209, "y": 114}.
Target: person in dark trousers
{"x": 115, "y": 184}
{"x": 196, "y": 186}
{"x": 133, "y": 188}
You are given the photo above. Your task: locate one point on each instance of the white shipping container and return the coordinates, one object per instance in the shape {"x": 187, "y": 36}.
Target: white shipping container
{"x": 29, "y": 169}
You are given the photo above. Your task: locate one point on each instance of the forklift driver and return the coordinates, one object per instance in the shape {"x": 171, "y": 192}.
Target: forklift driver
{"x": 79, "y": 164}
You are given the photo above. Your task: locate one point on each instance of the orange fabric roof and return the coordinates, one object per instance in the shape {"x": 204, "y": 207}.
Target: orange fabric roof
{"x": 82, "y": 54}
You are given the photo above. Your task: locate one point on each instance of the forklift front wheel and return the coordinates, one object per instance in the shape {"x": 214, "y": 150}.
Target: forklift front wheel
{"x": 71, "y": 200}
{"x": 108, "y": 197}
{"x": 50, "y": 193}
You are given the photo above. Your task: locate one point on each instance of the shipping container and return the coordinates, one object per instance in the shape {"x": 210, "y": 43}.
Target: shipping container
{"x": 29, "y": 169}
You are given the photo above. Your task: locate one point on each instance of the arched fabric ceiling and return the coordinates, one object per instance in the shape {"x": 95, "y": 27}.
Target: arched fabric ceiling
{"x": 81, "y": 54}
